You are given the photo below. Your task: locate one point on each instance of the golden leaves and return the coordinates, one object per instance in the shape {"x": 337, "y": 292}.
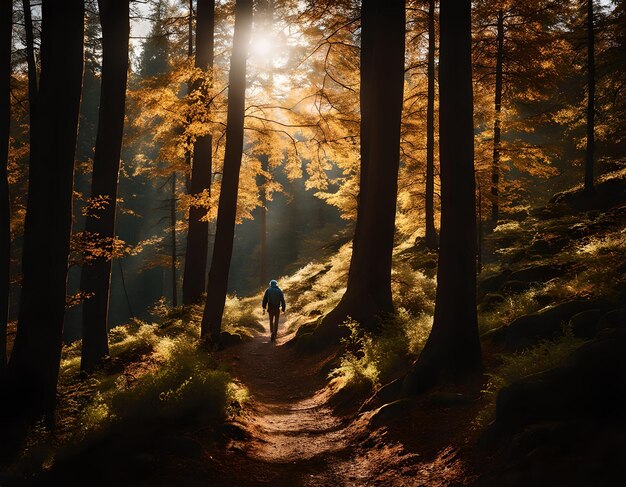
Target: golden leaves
{"x": 95, "y": 205}
{"x": 87, "y": 247}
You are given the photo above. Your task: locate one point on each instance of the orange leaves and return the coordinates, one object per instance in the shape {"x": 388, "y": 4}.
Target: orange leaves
{"x": 86, "y": 247}
{"x": 96, "y": 205}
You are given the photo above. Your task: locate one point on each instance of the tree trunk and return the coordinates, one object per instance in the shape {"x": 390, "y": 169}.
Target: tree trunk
{"x": 100, "y": 224}
{"x": 190, "y": 31}
{"x": 34, "y": 363}
{"x": 194, "y": 276}
{"x": 432, "y": 239}
{"x": 6, "y": 26}
{"x": 30, "y": 56}
{"x": 495, "y": 165}
{"x": 453, "y": 347}
{"x": 173, "y": 240}
{"x": 479, "y": 228}
{"x": 227, "y": 209}
{"x": 368, "y": 295}
{"x": 591, "y": 102}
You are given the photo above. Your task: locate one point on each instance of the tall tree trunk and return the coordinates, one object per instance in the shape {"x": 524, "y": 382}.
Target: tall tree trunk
{"x": 368, "y": 294}
{"x": 495, "y": 165}
{"x": 591, "y": 102}
{"x": 30, "y": 56}
{"x": 34, "y": 363}
{"x": 431, "y": 233}
{"x": 194, "y": 276}
{"x": 190, "y": 31}
{"x": 32, "y": 66}
{"x": 6, "y": 26}
{"x": 453, "y": 347}
{"x": 479, "y": 228}
{"x": 227, "y": 209}
{"x": 100, "y": 223}
{"x": 174, "y": 250}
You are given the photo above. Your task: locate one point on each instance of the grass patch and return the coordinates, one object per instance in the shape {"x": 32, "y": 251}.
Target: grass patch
{"x": 612, "y": 243}
{"x": 512, "y": 307}
{"x": 546, "y": 355}
{"x": 239, "y": 317}
{"x": 535, "y": 299}
{"x": 187, "y": 386}
{"x": 507, "y": 227}
{"x": 158, "y": 374}
{"x": 317, "y": 288}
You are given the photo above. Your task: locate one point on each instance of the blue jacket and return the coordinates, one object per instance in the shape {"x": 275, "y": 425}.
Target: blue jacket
{"x": 274, "y": 297}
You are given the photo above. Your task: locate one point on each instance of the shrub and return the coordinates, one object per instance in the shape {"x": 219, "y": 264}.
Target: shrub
{"x": 187, "y": 386}
{"x": 358, "y": 365}
{"x": 507, "y": 227}
{"x": 118, "y": 334}
{"x": 371, "y": 359}
{"x": 412, "y": 289}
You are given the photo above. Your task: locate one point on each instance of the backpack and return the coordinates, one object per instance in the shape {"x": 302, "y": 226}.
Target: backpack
{"x": 274, "y": 297}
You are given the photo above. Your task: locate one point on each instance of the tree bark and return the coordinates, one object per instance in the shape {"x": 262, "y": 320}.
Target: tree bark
{"x": 453, "y": 347}
{"x": 6, "y": 26}
{"x": 96, "y": 276}
{"x": 591, "y": 102}
{"x": 497, "y": 123}
{"x": 479, "y": 228}
{"x": 173, "y": 246}
{"x": 34, "y": 363}
{"x": 194, "y": 276}
{"x": 432, "y": 239}
{"x": 30, "y": 56}
{"x": 227, "y": 209}
{"x": 368, "y": 295}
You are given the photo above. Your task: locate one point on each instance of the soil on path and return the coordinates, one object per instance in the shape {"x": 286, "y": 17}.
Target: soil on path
{"x": 293, "y": 437}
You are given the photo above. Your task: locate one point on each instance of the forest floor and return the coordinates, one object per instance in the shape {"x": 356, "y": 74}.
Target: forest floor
{"x": 298, "y": 418}
{"x": 292, "y": 433}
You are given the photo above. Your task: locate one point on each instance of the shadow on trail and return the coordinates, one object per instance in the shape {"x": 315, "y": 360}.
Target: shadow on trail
{"x": 292, "y": 433}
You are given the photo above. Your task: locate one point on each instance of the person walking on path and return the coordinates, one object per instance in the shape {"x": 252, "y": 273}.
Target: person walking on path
{"x": 273, "y": 300}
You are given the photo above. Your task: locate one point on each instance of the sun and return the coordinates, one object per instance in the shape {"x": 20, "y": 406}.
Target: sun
{"x": 262, "y": 47}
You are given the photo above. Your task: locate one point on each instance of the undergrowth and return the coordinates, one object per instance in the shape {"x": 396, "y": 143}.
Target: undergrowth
{"x": 317, "y": 288}
{"x": 513, "y": 367}
{"x": 158, "y": 373}
{"x": 600, "y": 254}
{"x": 239, "y": 317}
{"x": 530, "y": 301}
{"x": 370, "y": 360}
{"x": 188, "y": 385}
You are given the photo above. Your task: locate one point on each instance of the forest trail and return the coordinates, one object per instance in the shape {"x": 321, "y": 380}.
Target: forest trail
{"x": 295, "y": 438}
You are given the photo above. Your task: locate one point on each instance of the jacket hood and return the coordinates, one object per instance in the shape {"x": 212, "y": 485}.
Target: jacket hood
{"x": 273, "y": 283}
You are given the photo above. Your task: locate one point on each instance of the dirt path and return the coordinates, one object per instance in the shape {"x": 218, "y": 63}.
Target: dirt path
{"x": 293, "y": 437}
